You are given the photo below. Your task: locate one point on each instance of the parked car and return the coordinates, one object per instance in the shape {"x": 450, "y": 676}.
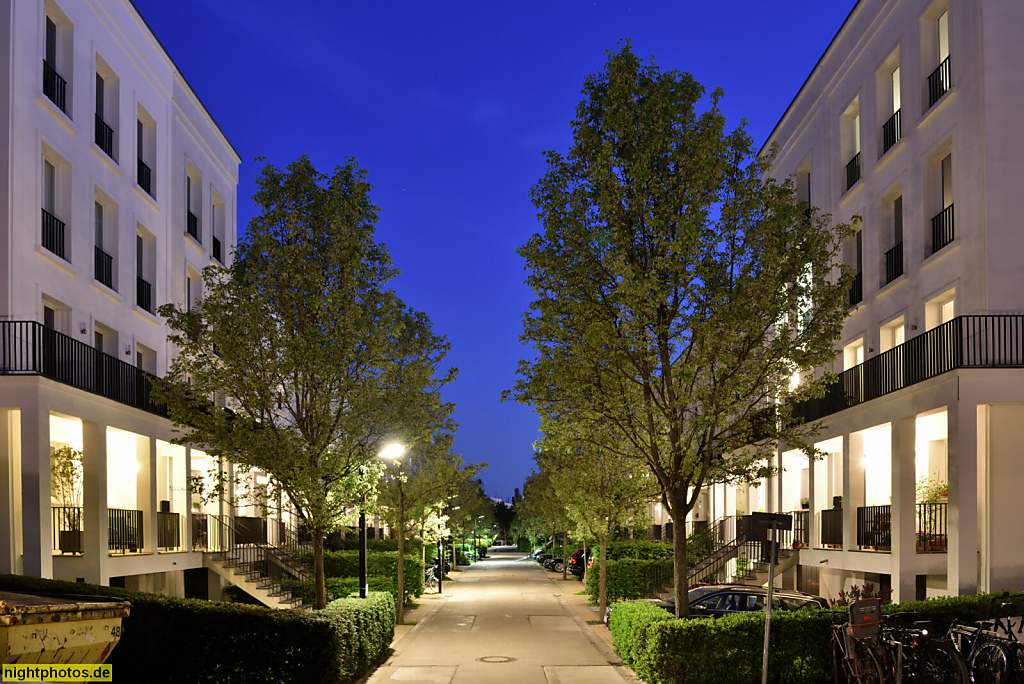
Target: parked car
{"x": 577, "y": 564}
{"x": 541, "y": 557}
{"x": 722, "y": 599}
{"x": 555, "y": 563}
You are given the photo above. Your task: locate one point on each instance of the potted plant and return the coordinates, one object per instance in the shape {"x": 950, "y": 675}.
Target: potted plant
{"x": 805, "y": 503}
{"x": 66, "y": 489}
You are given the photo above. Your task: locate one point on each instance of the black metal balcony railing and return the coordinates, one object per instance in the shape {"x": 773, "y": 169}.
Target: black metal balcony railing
{"x": 66, "y": 526}
{"x": 168, "y": 530}
{"x": 891, "y": 132}
{"x": 216, "y": 249}
{"x": 125, "y": 533}
{"x": 30, "y": 348}
{"x": 192, "y": 226}
{"x": 832, "y": 527}
{"x": 853, "y": 171}
{"x": 931, "y": 527}
{"x": 249, "y": 530}
{"x": 104, "y": 137}
{"x": 874, "y": 527}
{"x": 103, "y": 267}
{"x": 856, "y": 293}
{"x": 801, "y": 527}
{"x": 938, "y": 82}
{"x": 55, "y": 87}
{"x": 979, "y": 341}
{"x": 894, "y": 263}
{"x": 145, "y": 178}
{"x": 53, "y": 234}
{"x": 942, "y": 229}
{"x": 144, "y": 294}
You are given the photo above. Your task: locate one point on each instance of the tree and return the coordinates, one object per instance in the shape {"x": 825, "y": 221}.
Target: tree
{"x": 318, "y": 359}
{"x": 601, "y": 488}
{"x": 504, "y": 514}
{"x": 677, "y": 288}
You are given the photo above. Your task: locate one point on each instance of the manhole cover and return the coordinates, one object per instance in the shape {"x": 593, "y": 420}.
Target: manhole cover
{"x": 496, "y": 659}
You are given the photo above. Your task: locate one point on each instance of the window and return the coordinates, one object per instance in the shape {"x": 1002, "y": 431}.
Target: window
{"x": 893, "y": 334}
{"x": 890, "y": 101}
{"x": 936, "y": 41}
{"x": 940, "y": 309}
{"x": 145, "y": 358}
{"x": 849, "y": 142}
{"x": 57, "y": 61}
{"x": 856, "y": 260}
{"x": 56, "y": 314}
{"x": 106, "y": 108}
{"x": 217, "y": 228}
{"x": 193, "y": 200}
{"x": 104, "y": 239}
{"x": 145, "y": 264}
{"x": 193, "y": 289}
{"x": 53, "y": 204}
{"x": 145, "y": 151}
{"x": 942, "y": 223}
{"x": 891, "y": 221}
{"x": 104, "y": 339}
{"x": 853, "y": 354}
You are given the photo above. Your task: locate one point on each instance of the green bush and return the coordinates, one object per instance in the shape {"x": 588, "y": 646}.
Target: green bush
{"x": 639, "y": 549}
{"x": 368, "y": 626}
{"x": 663, "y": 650}
{"x": 206, "y": 641}
{"x": 379, "y": 564}
{"x": 352, "y": 544}
{"x": 629, "y": 579}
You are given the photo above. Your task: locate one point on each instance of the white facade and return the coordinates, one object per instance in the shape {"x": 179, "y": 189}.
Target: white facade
{"x": 103, "y": 134}
{"x": 939, "y": 250}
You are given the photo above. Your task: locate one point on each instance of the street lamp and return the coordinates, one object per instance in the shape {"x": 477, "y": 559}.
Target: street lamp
{"x": 394, "y": 450}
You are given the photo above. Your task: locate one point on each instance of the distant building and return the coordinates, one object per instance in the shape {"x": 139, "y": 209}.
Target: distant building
{"x": 912, "y": 120}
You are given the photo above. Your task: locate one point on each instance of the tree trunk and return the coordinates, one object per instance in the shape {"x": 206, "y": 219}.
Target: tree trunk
{"x": 400, "y": 599}
{"x": 565, "y": 553}
{"x": 318, "y": 569}
{"x": 602, "y": 580}
{"x": 678, "y": 515}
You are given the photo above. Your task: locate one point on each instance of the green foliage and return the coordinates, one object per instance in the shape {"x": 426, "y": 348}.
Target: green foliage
{"x": 66, "y": 478}
{"x": 639, "y": 550}
{"x": 380, "y": 564}
{"x": 336, "y": 544}
{"x": 663, "y": 650}
{"x": 523, "y": 544}
{"x": 172, "y": 640}
{"x": 630, "y": 578}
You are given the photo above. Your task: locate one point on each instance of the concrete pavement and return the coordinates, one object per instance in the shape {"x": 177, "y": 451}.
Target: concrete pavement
{"x": 503, "y": 620}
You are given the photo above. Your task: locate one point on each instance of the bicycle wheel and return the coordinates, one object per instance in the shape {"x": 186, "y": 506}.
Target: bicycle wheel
{"x": 840, "y": 669}
{"x": 991, "y": 664}
{"x": 939, "y": 663}
{"x": 868, "y": 668}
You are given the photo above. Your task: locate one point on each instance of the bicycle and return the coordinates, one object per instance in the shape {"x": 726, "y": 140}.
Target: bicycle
{"x": 852, "y": 658}
{"x": 991, "y": 658}
{"x": 430, "y": 580}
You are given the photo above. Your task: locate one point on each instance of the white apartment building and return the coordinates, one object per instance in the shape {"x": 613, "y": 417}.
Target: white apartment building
{"x": 118, "y": 188}
{"x": 912, "y": 120}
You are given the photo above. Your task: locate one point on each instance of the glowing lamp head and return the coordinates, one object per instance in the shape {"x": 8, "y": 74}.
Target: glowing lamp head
{"x": 392, "y": 450}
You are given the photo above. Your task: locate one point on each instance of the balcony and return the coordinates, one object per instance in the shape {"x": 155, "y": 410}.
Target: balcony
{"x": 217, "y": 249}
{"x": 55, "y": 87}
{"x": 801, "y": 528}
{"x": 103, "y": 267}
{"x": 931, "y": 527}
{"x": 853, "y": 171}
{"x": 938, "y": 82}
{"x": 104, "y": 136}
{"x": 192, "y": 226}
{"x": 855, "y": 295}
{"x": 125, "y": 534}
{"x": 942, "y": 229}
{"x": 891, "y": 132}
{"x": 981, "y": 341}
{"x": 53, "y": 234}
{"x": 874, "y": 527}
{"x": 144, "y": 294}
{"x": 29, "y": 348}
{"x": 66, "y": 529}
{"x": 832, "y": 528}
{"x": 894, "y": 263}
{"x": 144, "y": 178}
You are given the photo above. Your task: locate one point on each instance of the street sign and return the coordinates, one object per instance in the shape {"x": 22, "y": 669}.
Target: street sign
{"x": 782, "y": 521}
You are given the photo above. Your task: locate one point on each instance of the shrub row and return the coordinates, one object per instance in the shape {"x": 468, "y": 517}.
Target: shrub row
{"x": 629, "y": 579}
{"x": 663, "y": 650}
{"x": 380, "y": 564}
{"x": 341, "y": 587}
{"x": 167, "y": 639}
{"x": 639, "y": 550}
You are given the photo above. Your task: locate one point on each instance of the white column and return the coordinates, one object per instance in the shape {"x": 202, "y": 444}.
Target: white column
{"x": 35, "y": 489}
{"x": 95, "y": 526}
{"x": 10, "y": 491}
{"x": 853, "y": 487}
{"x": 904, "y": 510}
{"x": 962, "y": 525}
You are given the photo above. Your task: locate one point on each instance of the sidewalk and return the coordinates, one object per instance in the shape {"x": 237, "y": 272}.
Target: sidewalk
{"x": 503, "y": 620}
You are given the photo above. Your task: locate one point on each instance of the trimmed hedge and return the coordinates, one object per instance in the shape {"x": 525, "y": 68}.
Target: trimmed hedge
{"x": 379, "y": 564}
{"x": 629, "y": 579}
{"x": 168, "y": 639}
{"x": 340, "y": 587}
{"x": 638, "y": 550}
{"x": 664, "y": 650}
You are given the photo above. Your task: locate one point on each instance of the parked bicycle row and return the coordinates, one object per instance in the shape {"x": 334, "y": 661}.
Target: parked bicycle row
{"x": 873, "y": 649}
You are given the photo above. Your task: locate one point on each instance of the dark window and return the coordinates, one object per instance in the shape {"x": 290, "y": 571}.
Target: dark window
{"x": 51, "y": 42}
{"x": 99, "y": 96}
{"x": 49, "y": 317}
{"x": 897, "y": 209}
{"x": 98, "y": 210}
{"x": 97, "y": 340}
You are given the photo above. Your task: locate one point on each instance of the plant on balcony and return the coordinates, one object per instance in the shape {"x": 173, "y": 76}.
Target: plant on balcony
{"x": 931, "y": 490}
{"x": 66, "y": 490}
{"x": 805, "y": 503}
{"x": 677, "y": 288}
{"x": 856, "y": 593}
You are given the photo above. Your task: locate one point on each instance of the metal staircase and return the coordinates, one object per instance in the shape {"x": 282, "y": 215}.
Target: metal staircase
{"x": 246, "y": 558}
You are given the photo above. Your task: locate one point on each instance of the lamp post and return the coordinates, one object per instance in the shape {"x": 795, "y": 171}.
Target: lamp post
{"x": 394, "y": 451}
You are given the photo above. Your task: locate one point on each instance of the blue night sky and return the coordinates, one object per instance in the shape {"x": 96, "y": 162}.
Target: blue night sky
{"x": 449, "y": 106}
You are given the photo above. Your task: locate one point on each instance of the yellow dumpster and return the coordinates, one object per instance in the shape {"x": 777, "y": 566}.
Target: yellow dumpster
{"x": 70, "y": 630}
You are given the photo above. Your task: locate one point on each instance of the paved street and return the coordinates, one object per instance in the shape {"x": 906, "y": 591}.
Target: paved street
{"x": 504, "y": 620}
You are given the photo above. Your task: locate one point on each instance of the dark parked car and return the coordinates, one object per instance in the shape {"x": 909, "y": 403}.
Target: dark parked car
{"x": 722, "y": 599}
{"x": 554, "y": 563}
{"x": 576, "y": 563}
